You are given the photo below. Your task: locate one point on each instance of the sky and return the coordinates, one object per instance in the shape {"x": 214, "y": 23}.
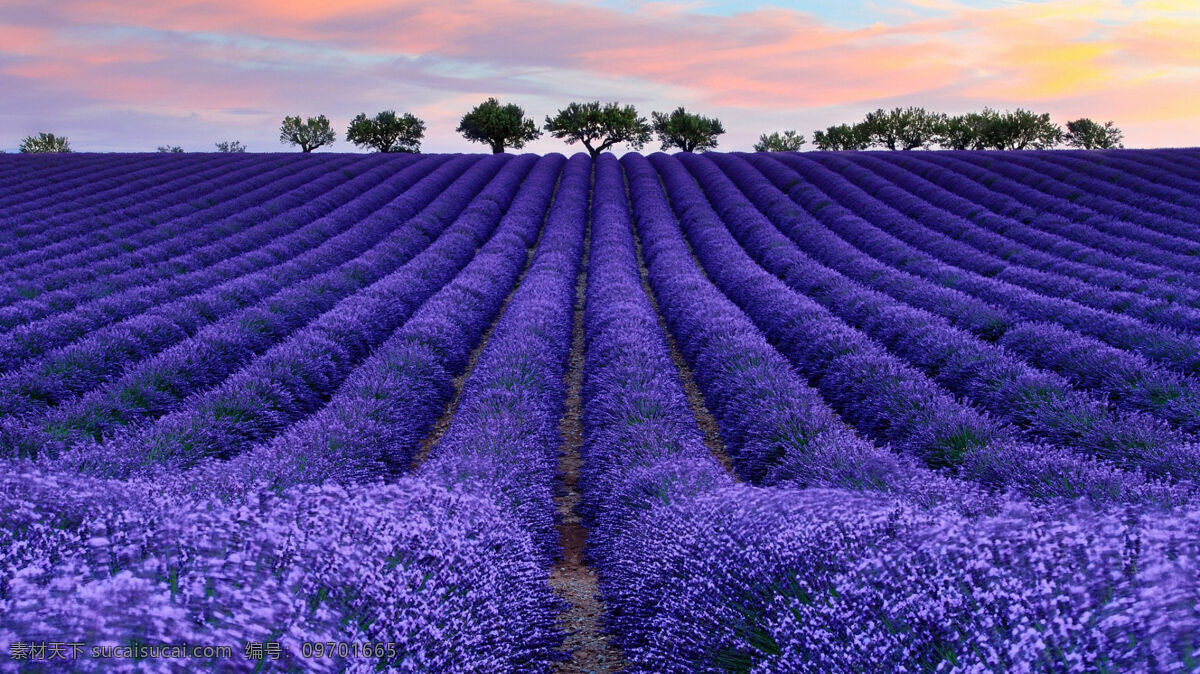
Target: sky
{"x": 123, "y": 75}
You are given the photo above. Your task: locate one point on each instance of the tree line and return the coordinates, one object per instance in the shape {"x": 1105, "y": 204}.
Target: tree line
{"x": 599, "y": 127}
{"x": 502, "y": 126}
{"x": 912, "y": 128}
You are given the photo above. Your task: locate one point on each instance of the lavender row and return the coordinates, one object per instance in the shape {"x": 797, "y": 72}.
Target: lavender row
{"x": 331, "y": 240}
{"x": 1066, "y": 196}
{"x": 103, "y": 222}
{"x": 59, "y": 267}
{"x": 374, "y": 423}
{"x": 1123, "y": 231}
{"x": 35, "y": 178}
{"x": 83, "y": 183}
{"x": 882, "y": 395}
{"x": 35, "y": 339}
{"x": 1017, "y": 243}
{"x": 25, "y": 177}
{"x": 642, "y": 448}
{"x": 776, "y": 428}
{"x": 701, "y": 575}
{"x": 1176, "y": 165}
{"x": 423, "y": 583}
{"x": 988, "y": 258}
{"x": 1146, "y": 188}
{"x": 1041, "y": 404}
{"x": 960, "y": 242}
{"x": 161, "y": 383}
{"x": 153, "y": 219}
{"x": 504, "y": 438}
{"x": 972, "y": 199}
{"x": 743, "y": 579}
{"x": 445, "y": 578}
{"x": 296, "y": 377}
{"x": 199, "y": 242}
{"x": 1129, "y": 380}
{"x": 50, "y": 237}
{"x": 977, "y": 369}
{"x": 1122, "y": 242}
{"x": 1075, "y": 197}
{"x": 1014, "y": 303}
{"x": 1157, "y": 391}
{"x": 641, "y": 442}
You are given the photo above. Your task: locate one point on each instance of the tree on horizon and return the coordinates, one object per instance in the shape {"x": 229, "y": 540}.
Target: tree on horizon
{"x": 45, "y": 142}
{"x": 387, "y": 132}
{"x": 786, "y": 141}
{"x": 687, "y": 131}
{"x": 308, "y": 134}
{"x": 599, "y": 127}
{"x": 500, "y": 126}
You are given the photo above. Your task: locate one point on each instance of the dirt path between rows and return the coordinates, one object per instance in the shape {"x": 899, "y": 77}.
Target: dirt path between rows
{"x": 590, "y": 646}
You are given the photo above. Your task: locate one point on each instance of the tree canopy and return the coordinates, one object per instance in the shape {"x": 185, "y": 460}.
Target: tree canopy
{"x": 842, "y": 137}
{"x": 687, "y": 131}
{"x": 902, "y": 128}
{"x": 170, "y": 148}
{"x": 1021, "y": 129}
{"x": 965, "y": 132}
{"x": 500, "y": 126}
{"x": 599, "y": 127}
{"x": 786, "y": 141}
{"x": 387, "y": 132}
{"x": 1087, "y": 134}
{"x": 230, "y": 146}
{"x": 45, "y": 142}
{"x": 309, "y": 134}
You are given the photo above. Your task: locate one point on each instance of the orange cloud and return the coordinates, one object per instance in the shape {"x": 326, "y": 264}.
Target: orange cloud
{"x": 1141, "y": 59}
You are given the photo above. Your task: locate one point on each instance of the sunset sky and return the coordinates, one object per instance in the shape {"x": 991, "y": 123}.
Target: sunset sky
{"x": 128, "y": 76}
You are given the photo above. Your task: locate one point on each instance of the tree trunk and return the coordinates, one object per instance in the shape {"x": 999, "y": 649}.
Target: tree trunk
{"x": 497, "y": 147}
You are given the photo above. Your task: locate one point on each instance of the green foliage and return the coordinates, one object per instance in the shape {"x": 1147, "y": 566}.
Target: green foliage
{"x": 787, "y": 141}
{"x": 1087, "y": 134}
{"x": 387, "y": 132}
{"x": 230, "y": 146}
{"x": 599, "y": 127}
{"x": 169, "y": 148}
{"x": 45, "y": 142}
{"x": 966, "y": 132}
{"x": 1021, "y": 130}
{"x": 842, "y": 137}
{"x": 687, "y": 131}
{"x": 498, "y": 125}
{"x": 309, "y": 134}
{"x": 902, "y": 128}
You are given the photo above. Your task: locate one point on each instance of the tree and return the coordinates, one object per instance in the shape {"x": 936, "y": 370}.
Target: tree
{"x": 842, "y": 137}
{"x": 599, "y": 127}
{"x": 1086, "y": 134}
{"x": 687, "y": 131}
{"x": 902, "y": 128}
{"x": 230, "y": 146}
{"x": 309, "y": 134}
{"x": 498, "y": 125}
{"x": 387, "y": 132}
{"x": 169, "y": 148}
{"x": 788, "y": 141}
{"x": 966, "y": 132}
{"x": 1021, "y": 130}
{"x": 45, "y": 142}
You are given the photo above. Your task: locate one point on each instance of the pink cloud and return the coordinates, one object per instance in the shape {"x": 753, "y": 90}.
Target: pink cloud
{"x": 1135, "y": 63}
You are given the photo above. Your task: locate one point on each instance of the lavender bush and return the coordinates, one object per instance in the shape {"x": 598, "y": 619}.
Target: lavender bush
{"x": 842, "y": 412}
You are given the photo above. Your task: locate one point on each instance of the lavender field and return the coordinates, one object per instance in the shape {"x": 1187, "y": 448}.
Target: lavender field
{"x": 774, "y": 412}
